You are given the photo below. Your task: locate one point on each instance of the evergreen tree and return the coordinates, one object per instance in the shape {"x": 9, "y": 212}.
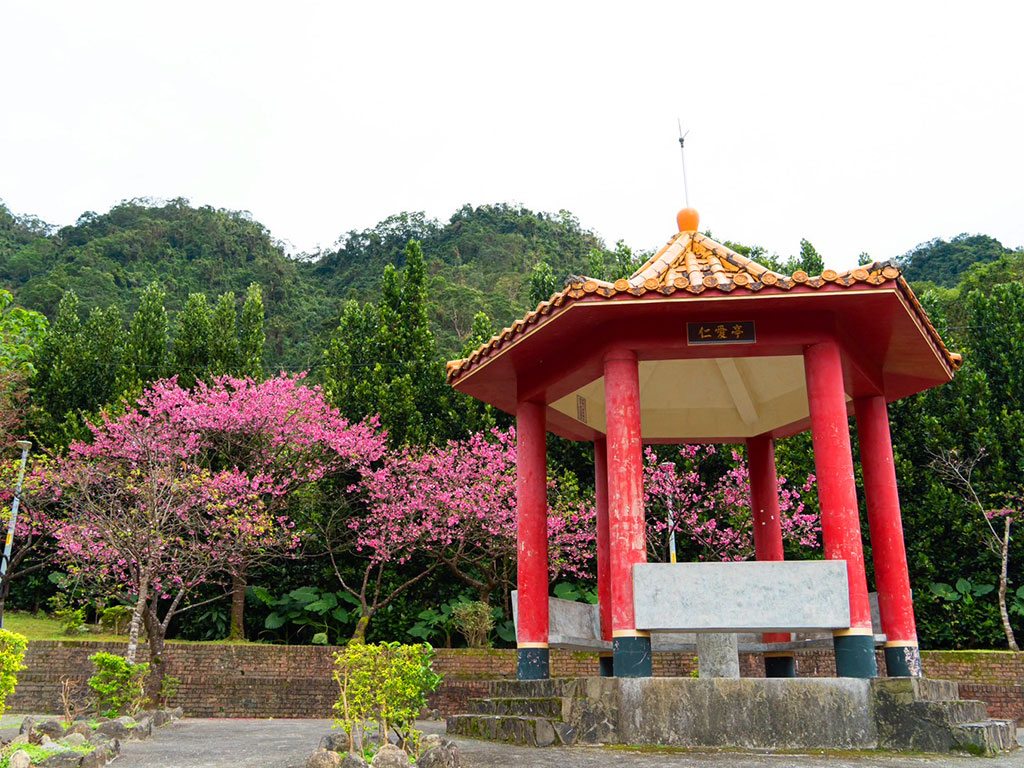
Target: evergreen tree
{"x": 145, "y": 354}
{"x": 543, "y": 283}
{"x": 224, "y": 350}
{"x": 191, "y": 351}
{"x": 251, "y": 335}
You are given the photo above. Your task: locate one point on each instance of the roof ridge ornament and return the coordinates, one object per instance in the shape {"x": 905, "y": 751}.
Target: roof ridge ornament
{"x": 687, "y": 219}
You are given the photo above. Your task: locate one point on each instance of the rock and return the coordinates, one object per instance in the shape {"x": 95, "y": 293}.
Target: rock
{"x": 335, "y": 742}
{"x": 114, "y": 730}
{"x": 98, "y": 739}
{"x": 51, "y": 728}
{"x": 66, "y": 759}
{"x": 21, "y": 738}
{"x": 80, "y": 727}
{"x": 324, "y": 758}
{"x": 161, "y": 717}
{"x": 74, "y": 740}
{"x": 27, "y": 724}
{"x": 126, "y": 720}
{"x": 352, "y": 760}
{"x": 390, "y": 756}
{"x": 177, "y": 713}
{"x": 45, "y": 741}
{"x": 114, "y": 745}
{"x": 143, "y": 728}
{"x": 438, "y": 752}
{"x": 20, "y": 759}
{"x": 97, "y": 758}
{"x": 101, "y": 719}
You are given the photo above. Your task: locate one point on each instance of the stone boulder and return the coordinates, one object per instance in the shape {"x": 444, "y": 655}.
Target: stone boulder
{"x": 27, "y": 725}
{"x": 177, "y": 713}
{"x": 20, "y": 759}
{"x": 161, "y": 717}
{"x": 438, "y": 752}
{"x": 79, "y": 727}
{"x": 335, "y": 741}
{"x": 52, "y": 728}
{"x": 74, "y": 740}
{"x": 143, "y": 728}
{"x": 352, "y": 760}
{"x": 390, "y": 756}
{"x": 65, "y": 759}
{"x": 115, "y": 729}
{"x": 97, "y": 758}
{"x": 324, "y": 758}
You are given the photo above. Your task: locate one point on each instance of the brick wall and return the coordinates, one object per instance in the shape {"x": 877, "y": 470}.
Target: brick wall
{"x": 295, "y": 681}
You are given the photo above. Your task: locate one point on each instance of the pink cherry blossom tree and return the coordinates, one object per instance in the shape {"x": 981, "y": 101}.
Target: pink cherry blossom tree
{"x": 714, "y": 514}
{"x": 457, "y": 502}
{"x": 280, "y": 434}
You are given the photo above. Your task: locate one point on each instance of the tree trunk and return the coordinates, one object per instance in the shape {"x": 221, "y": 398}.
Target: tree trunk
{"x": 1004, "y": 557}
{"x": 238, "y": 604}
{"x": 359, "y": 635}
{"x": 133, "y": 628}
{"x": 157, "y": 668}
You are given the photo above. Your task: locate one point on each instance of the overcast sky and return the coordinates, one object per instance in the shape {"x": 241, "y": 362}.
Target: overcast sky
{"x": 866, "y": 129}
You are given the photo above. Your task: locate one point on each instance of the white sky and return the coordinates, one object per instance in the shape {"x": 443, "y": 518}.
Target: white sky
{"x": 861, "y": 126}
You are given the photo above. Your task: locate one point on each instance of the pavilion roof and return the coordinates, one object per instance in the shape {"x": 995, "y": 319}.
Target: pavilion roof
{"x": 692, "y": 264}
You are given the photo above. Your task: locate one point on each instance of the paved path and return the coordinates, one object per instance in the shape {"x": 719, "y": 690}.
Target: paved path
{"x": 280, "y": 743}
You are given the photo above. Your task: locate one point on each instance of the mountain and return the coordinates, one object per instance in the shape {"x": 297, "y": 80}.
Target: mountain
{"x": 478, "y": 261}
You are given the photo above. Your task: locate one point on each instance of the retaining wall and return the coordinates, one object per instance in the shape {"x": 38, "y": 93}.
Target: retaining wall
{"x": 295, "y": 681}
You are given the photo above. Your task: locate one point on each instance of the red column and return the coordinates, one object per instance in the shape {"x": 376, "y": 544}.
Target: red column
{"x": 627, "y": 532}
{"x": 895, "y": 604}
{"x": 532, "y": 533}
{"x": 604, "y": 582}
{"x": 764, "y": 505}
{"x": 837, "y": 494}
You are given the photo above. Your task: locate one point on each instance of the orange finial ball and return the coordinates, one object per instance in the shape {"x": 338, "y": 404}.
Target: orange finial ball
{"x": 688, "y": 220}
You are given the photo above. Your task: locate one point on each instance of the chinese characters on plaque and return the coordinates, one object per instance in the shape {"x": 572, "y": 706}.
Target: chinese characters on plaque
{"x": 724, "y": 332}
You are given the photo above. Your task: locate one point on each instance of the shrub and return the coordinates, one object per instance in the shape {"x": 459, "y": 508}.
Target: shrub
{"x": 118, "y": 685}
{"x": 12, "y": 654}
{"x": 116, "y": 618}
{"x": 384, "y": 685}
{"x": 474, "y": 620}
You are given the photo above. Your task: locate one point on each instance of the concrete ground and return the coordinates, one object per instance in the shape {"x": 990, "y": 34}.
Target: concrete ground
{"x": 222, "y": 743}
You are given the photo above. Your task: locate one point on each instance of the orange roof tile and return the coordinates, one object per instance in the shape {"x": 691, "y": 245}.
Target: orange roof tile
{"x": 692, "y": 264}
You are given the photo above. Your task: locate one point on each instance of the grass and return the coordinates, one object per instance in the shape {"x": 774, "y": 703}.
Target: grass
{"x": 38, "y": 753}
{"x": 39, "y": 626}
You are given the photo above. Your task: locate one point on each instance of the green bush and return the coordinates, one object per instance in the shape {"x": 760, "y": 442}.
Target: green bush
{"x": 118, "y": 686}
{"x": 12, "y": 654}
{"x": 384, "y": 686}
{"x": 474, "y": 620}
{"x": 116, "y": 618}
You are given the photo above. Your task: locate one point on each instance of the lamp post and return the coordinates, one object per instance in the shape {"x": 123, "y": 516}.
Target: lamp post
{"x": 669, "y": 466}
{"x": 25, "y": 446}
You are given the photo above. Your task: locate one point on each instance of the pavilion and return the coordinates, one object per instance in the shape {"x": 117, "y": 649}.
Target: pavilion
{"x": 702, "y": 344}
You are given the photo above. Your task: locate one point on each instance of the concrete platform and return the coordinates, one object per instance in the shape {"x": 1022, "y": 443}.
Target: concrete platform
{"x": 799, "y": 714}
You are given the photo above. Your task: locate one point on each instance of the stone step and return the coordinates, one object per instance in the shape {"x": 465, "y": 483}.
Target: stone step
{"x": 527, "y": 731}
{"x": 989, "y": 737}
{"x": 926, "y": 689}
{"x": 550, "y": 708}
{"x": 552, "y": 688}
{"x": 955, "y": 712}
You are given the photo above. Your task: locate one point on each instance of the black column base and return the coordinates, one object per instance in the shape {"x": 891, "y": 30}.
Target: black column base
{"x": 903, "y": 661}
{"x": 855, "y": 656}
{"x": 632, "y": 656}
{"x": 780, "y": 666}
{"x": 532, "y": 664}
{"x": 607, "y": 667}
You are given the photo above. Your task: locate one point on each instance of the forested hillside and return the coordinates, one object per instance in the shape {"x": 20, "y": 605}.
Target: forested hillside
{"x": 479, "y": 261}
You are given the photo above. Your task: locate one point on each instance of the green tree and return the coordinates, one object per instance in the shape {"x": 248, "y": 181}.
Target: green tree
{"x": 147, "y": 343}
{"x": 543, "y": 283}
{"x": 251, "y": 335}
{"x": 191, "y": 351}
{"x": 225, "y": 357}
